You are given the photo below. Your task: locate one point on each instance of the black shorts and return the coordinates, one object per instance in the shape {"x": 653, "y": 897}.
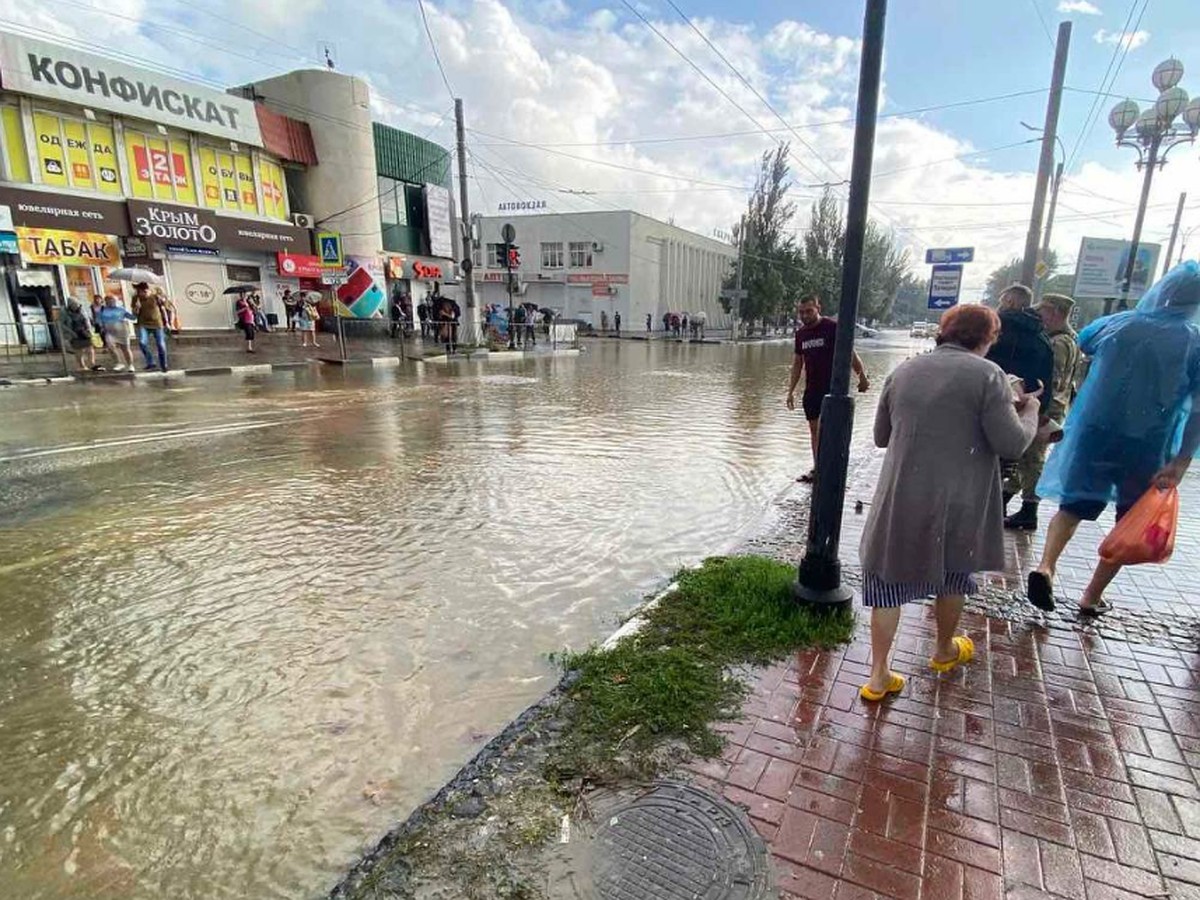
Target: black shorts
{"x": 247, "y": 329}
{"x": 812, "y": 405}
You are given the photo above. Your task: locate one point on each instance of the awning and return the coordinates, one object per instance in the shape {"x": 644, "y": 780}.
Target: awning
{"x": 287, "y": 138}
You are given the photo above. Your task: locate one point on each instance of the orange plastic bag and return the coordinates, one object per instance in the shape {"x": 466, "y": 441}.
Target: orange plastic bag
{"x": 1147, "y": 532}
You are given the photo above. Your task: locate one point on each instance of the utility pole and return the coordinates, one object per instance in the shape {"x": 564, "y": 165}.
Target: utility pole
{"x": 737, "y": 303}
{"x": 1139, "y": 220}
{"x": 1040, "y": 287}
{"x": 1046, "y": 162}
{"x": 1175, "y": 231}
{"x": 819, "y": 580}
{"x": 469, "y": 334}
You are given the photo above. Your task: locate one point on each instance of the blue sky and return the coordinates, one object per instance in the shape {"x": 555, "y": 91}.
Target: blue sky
{"x": 581, "y": 104}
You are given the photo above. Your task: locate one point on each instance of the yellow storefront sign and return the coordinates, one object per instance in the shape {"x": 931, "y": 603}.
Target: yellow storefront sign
{"x": 70, "y": 248}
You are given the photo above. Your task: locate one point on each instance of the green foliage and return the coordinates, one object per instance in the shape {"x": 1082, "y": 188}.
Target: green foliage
{"x": 671, "y": 681}
{"x": 1010, "y": 273}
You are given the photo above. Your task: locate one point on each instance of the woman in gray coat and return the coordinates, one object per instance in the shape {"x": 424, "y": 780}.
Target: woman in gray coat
{"x": 946, "y": 419}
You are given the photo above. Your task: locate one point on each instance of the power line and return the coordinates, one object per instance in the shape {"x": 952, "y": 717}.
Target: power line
{"x": 1089, "y": 119}
{"x": 433, "y": 47}
{"x": 1045, "y": 28}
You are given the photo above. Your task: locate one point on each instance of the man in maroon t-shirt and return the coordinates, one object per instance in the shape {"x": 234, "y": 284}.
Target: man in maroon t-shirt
{"x": 815, "y": 339}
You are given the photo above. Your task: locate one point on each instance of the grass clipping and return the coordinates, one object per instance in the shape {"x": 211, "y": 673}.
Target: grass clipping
{"x": 635, "y": 708}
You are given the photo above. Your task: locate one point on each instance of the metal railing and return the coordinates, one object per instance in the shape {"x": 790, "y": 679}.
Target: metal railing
{"x": 27, "y": 350}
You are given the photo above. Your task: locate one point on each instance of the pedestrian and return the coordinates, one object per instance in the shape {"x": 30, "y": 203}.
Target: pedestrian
{"x": 115, "y": 323}
{"x": 683, "y": 324}
{"x": 666, "y": 323}
{"x": 448, "y": 318}
{"x": 531, "y": 325}
{"x": 813, "y": 358}
{"x": 170, "y": 312}
{"x": 946, "y": 418}
{"x": 423, "y": 317}
{"x": 617, "y": 322}
{"x": 258, "y": 317}
{"x": 700, "y": 320}
{"x": 649, "y": 323}
{"x": 1023, "y": 349}
{"x": 151, "y": 319}
{"x": 518, "y": 324}
{"x": 396, "y": 327}
{"x": 604, "y": 321}
{"x": 1055, "y": 312}
{"x": 244, "y": 312}
{"x": 1135, "y": 423}
{"x": 78, "y": 325}
{"x": 306, "y": 321}
{"x": 291, "y": 303}
{"x": 94, "y": 313}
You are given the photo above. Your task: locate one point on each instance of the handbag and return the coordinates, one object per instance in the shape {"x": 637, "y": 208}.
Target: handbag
{"x": 1145, "y": 534}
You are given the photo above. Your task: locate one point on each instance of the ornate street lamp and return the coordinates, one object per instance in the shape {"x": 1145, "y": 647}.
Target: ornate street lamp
{"x": 1153, "y": 133}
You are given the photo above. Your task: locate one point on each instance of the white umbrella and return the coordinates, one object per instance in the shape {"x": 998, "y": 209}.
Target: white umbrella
{"x": 136, "y": 275}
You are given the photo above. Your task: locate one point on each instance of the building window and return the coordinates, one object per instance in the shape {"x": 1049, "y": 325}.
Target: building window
{"x": 72, "y": 152}
{"x": 581, "y": 254}
{"x": 495, "y": 256}
{"x": 476, "y": 255}
{"x": 393, "y": 207}
{"x": 552, "y": 255}
{"x": 160, "y": 169}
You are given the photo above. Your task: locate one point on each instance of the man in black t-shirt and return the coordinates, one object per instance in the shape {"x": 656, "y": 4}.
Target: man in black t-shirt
{"x": 815, "y": 339}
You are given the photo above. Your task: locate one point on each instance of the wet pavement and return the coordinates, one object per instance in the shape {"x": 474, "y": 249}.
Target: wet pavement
{"x": 252, "y": 621}
{"x": 1064, "y": 762}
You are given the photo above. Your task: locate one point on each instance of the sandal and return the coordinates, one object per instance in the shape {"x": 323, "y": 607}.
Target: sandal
{"x": 895, "y": 686}
{"x": 966, "y": 652}
{"x": 1040, "y": 590}
{"x": 1096, "y": 609}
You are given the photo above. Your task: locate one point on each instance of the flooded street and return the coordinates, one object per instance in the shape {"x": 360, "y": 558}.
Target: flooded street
{"x": 249, "y": 624}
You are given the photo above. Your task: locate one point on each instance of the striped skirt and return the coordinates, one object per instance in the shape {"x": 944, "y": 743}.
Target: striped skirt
{"x": 878, "y": 593}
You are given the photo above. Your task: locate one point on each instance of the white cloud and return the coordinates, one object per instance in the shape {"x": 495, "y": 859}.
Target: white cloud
{"x": 597, "y": 91}
{"x": 1131, "y": 40}
{"x": 1079, "y": 6}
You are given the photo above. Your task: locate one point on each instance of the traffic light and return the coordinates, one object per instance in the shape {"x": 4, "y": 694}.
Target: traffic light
{"x": 514, "y": 256}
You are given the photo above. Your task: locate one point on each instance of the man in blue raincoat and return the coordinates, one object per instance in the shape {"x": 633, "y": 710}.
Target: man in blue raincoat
{"x": 1136, "y": 422}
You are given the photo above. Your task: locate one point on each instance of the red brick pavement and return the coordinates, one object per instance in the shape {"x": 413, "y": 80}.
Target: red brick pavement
{"x": 1057, "y": 764}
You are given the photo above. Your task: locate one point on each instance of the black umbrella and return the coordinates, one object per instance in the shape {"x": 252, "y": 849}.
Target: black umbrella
{"x": 240, "y": 289}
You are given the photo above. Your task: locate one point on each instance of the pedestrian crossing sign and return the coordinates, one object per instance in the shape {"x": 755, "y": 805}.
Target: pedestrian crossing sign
{"x": 329, "y": 248}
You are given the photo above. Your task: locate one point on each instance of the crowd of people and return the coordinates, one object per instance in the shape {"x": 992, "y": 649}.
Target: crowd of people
{"x": 108, "y": 325}
{"x": 1013, "y": 404}
{"x": 678, "y": 324}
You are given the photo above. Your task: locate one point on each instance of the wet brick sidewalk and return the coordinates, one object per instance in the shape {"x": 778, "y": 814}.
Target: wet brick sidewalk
{"x": 1064, "y": 762}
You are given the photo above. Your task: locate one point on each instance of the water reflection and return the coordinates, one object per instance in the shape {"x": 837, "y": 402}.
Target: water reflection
{"x": 249, "y": 624}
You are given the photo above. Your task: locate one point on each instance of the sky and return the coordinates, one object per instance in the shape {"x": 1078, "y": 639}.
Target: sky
{"x": 666, "y": 106}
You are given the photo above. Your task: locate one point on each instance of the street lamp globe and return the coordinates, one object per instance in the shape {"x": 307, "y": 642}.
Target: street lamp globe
{"x": 1148, "y": 125}
{"x": 1170, "y": 103}
{"x": 1167, "y": 74}
{"x": 1122, "y": 116}
{"x": 1191, "y": 116}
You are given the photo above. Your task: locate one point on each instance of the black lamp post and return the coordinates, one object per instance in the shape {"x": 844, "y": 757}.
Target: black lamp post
{"x": 1154, "y": 133}
{"x": 819, "y": 582}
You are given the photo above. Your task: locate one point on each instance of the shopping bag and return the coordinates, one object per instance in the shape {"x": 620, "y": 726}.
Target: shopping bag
{"x": 1146, "y": 534}
{"x": 97, "y": 341}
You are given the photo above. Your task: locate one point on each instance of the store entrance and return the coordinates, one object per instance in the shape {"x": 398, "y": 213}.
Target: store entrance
{"x": 38, "y": 297}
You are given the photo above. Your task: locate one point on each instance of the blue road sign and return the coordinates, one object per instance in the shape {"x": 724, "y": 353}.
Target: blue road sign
{"x": 329, "y": 248}
{"x": 944, "y": 285}
{"x": 950, "y": 255}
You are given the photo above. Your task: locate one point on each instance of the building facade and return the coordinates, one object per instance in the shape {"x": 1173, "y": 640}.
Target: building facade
{"x": 590, "y": 266}
{"x": 104, "y": 164}
{"x": 385, "y": 191}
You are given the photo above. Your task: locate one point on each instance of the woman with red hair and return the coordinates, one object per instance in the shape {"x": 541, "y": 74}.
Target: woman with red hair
{"x": 947, "y": 418}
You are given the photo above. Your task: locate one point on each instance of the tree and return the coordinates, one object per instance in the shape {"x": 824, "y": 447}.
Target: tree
{"x": 885, "y": 267}
{"x": 911, "y": 302}
{"x": 1010, "y": 273}
{"x": 768, "y": 251}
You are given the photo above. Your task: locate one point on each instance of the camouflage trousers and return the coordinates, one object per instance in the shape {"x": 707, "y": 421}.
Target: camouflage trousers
{"x": 1021, "y": 475}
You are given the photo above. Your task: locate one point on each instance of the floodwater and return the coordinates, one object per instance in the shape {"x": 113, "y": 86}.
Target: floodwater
{"x": 249, "y": 624}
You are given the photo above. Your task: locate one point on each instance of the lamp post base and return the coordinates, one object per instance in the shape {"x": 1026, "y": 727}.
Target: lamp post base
{"x": 819, "y": 585}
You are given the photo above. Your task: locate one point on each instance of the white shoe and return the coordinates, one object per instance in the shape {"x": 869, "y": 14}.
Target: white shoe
{"x": 118, "y": 368}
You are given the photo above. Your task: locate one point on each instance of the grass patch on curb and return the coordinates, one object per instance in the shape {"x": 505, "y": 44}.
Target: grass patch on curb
{"x": 667, "y": 685}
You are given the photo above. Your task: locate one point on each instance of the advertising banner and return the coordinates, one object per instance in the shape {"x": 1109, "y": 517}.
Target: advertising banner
{"x": 362, "y": 295}
{"x": 172, "y": 224}
{"x": 1100, "y": 269}
{"x": 42, "y": 69}
{"x": 38, "y": 209}
{"x": 437, "y": 210}
{"x": 297, "y": 265}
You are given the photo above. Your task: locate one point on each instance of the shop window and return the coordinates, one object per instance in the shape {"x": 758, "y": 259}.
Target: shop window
{"x": 274, "y": 188}
{"x": 552, "y": 255}
{"x": 581, "y": 254}
{"x": 71, "y": 152}
{"x": 159, "y": 169}
{"x": 14, "y": 140}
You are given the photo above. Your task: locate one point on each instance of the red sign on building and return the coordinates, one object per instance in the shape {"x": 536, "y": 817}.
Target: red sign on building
{"x": 296, "y": 265}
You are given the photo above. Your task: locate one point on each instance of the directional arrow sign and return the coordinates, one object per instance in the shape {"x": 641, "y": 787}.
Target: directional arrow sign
{"x": 950, "y": 255}
{"x": 944, "y": 285}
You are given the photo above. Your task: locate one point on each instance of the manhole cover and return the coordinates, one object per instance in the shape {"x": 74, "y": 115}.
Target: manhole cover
{"x": 678, "y": 841}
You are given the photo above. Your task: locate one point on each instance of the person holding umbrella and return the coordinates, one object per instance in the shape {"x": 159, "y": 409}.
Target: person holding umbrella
{"x": 244, "y": 311}
{"x": 151, "y": 321}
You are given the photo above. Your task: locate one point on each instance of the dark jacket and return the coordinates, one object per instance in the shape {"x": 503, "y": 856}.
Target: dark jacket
{"x": 1024, "y": 349}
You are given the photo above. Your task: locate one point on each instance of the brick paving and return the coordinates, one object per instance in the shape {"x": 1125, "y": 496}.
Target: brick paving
{"x": 1063, "y": 762}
